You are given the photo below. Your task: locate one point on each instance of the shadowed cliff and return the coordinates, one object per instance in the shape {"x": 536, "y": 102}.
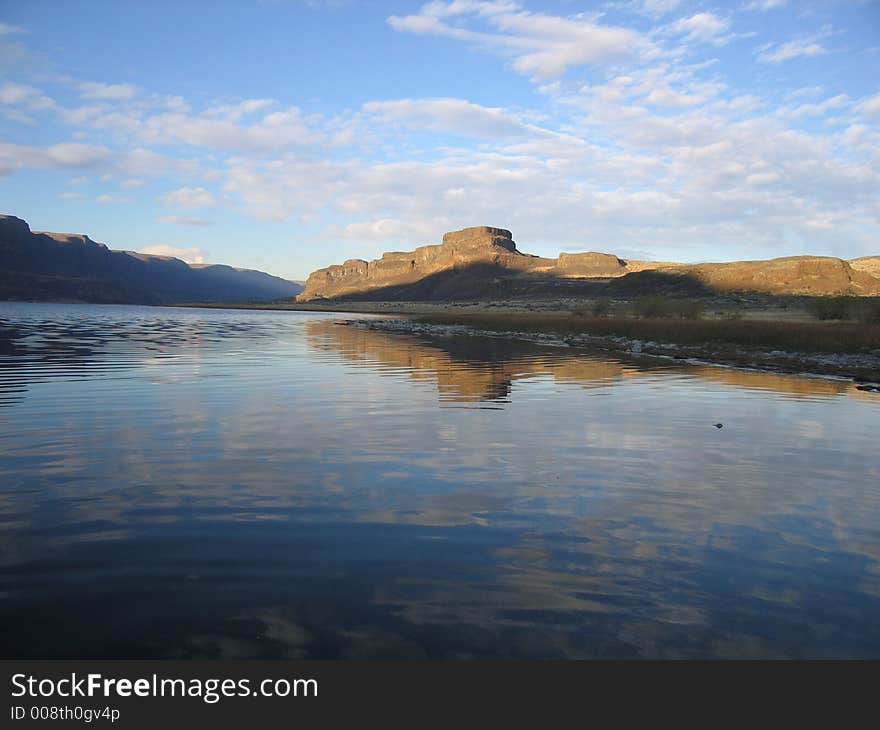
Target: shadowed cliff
{"x": 72, "y": 267}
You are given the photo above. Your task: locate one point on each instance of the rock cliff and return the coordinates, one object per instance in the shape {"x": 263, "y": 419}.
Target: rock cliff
{"x": 868, "y": 264}
{"x": 72, "y": 267}
{"x": 484, "y": 262}
{"x": 480, "y": 245}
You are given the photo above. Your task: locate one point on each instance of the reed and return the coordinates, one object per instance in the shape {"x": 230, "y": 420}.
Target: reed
{"x": 828, "y": 337}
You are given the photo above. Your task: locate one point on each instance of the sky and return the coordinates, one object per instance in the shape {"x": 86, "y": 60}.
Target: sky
{"x": 288, "y": 135}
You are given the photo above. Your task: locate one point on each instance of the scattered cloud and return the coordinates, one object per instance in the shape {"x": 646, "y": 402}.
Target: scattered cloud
{"x": 455, "y": 116}
{"x": 812, "y": 110}
{"x": 870, "y": 106}
{"x": 656, "y": 7}
{"x": 640, "y": 133}
{"x": 64, "y": 154}
{"x": 803, "y": 48}
{"x": 106, "y": 92}
{"x": 270, "y": 133}
{"x": 541, "y": 46}
{"x": 392, "y": 229}
{"x": 179, "y": 220}
{"x": 107, "y": 198}
{"x": 191, "y": 255}
{"x": 240, "y": 109}
{"x": 702, "y": 27}
{"x": 764, "y": 5}
{"x": 189, "y": 198}
{"x": 21, "y": 94}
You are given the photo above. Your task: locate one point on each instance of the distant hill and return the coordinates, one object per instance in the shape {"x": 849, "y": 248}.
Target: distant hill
{"x": 484, "y": 262}
{"x": 38, "y": 266}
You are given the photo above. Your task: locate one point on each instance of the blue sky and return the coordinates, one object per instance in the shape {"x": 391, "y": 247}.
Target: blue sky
{"x": 288, "y": 135}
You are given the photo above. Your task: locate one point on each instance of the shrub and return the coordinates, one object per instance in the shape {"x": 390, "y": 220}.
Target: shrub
{"x": 825, "y": 308}
{"x": 652, "y": 308}
{"x": 869, "y": 311}
{"x": 602, "y": 307}
{"x": 661, "y": 308}
{"x": 690, "y": 309}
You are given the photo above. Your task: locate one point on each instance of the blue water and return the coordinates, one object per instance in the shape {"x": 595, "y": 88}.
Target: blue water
{"x": 245, "y": 484}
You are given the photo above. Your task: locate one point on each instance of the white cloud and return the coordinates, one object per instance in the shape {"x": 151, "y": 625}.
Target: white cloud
{"x": 106, "y": 198}
{"x": 75, "y": 154}
{"x": 71, "y": 196}
{"x": 19, "y": 100}
{"x": 141, "y": 161}
{"x": 12, "y": 93}
{"x": 812, "y": 110}
{"x": 271, "y": 133}
{"x": 702, "y": 27}
{"x": 669, "y": 97}
{"x": 805, "y": 47}
{"x": 763, "y": 5}
{"x": 189, "y": 198}
{"x": 108, "y": 92}
{"x": 65, "y": 154}
{"x": 191, "y": 255}
{"x": 651, "y": 142}
{"x": 179, "y": 220}
{"x": 241, "y": 109}
{"x": 541, "y": 46}
{"x": 657, "y": 7}
{"x": 386, "y": 230}
{"x": 870, "y": 106}
{"x": 455, "y": 116}
{"x": 278, "y": 189}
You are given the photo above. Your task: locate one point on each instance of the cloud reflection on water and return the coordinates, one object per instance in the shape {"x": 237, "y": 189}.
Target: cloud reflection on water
{"x": 292, "y": 487}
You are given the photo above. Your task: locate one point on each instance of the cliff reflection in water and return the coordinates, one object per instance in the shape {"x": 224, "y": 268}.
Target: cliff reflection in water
{"x": 194, "y": 483}
{"x": 477, "y": 369}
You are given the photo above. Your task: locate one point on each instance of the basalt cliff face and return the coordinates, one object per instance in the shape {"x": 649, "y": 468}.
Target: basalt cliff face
{"x": 868, "y": 264}
{"x": 484, "y": 262}
{"x": 472, "y": 247}
{"x": 72, "y": 267}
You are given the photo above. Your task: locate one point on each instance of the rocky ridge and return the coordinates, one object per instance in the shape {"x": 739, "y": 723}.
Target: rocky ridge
{"x": 38, "y": 266}
{"x": 484, "y": 261}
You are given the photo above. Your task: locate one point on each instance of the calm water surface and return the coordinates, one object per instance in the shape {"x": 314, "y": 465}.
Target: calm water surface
{"x": 233, "y": 484}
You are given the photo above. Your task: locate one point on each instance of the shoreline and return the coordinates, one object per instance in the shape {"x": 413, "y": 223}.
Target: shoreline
{"x": 534, "y": 321}
{"x": 863, "y": 369}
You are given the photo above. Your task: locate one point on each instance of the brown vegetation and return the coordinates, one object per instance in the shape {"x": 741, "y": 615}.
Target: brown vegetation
{"x": 837, "y": 337}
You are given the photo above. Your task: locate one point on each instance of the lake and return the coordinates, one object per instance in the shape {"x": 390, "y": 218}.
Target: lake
{"x": 191, "y": 483}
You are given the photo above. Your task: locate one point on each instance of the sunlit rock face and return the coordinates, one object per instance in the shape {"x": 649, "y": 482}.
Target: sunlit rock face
{"x": 484, "y": 262}
{"x": 590, "y": 264}
{"x": 480, "y": 245}
{"x": 811, "y": 275}
{"x": 867, "y": 264}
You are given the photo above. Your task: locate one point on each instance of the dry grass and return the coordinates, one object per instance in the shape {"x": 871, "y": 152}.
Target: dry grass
{"x": 829, "y": 337}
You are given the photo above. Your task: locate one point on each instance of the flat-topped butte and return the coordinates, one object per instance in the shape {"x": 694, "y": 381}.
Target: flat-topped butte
{"x": 484, "y": 256}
